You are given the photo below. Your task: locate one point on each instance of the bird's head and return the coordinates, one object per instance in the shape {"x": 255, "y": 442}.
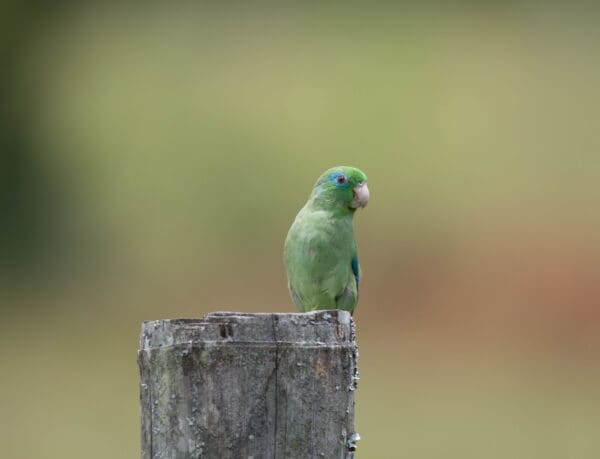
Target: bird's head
{"x": 342, "y": 187}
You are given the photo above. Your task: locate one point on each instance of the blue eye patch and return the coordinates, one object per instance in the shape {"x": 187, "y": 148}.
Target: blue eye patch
{"x": 339, "y": 179}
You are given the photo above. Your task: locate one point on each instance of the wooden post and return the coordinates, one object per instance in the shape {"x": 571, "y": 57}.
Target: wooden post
{"x": 234, "y": 385}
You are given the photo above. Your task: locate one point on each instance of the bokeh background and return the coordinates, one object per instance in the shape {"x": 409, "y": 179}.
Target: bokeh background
{"x": 153, "y": 157}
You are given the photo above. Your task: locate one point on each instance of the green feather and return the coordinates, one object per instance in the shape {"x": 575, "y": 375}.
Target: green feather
{"x": 320, "y": 246}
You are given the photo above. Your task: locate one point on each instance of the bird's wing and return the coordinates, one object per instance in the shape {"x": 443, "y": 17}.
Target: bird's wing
{"x": 356, "y": 270}
{"x": 349, "y": 296}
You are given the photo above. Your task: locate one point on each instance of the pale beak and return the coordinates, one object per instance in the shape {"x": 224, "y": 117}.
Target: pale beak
{"x": 361, "y": 195}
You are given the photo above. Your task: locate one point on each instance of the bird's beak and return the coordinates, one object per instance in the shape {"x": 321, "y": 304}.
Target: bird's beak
{"x": 361, "y": 195}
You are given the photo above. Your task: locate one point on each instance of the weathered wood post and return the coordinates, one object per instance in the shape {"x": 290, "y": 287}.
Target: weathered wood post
{"x": 235, "y": 385}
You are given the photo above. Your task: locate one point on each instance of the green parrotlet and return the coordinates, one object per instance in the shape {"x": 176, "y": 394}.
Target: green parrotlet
{"x": 320, "y": 252}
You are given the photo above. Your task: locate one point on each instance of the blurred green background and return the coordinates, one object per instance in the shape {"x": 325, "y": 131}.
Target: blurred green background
{"x": 153, "y": 157}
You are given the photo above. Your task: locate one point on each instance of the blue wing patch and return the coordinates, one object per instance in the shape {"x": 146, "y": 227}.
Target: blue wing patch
{"x": 355, "y": 270}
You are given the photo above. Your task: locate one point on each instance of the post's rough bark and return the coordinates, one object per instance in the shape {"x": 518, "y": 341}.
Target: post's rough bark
{"x": 234, "y": 385}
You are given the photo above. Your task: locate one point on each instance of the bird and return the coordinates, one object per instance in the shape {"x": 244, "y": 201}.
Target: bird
{"x": 320, "y": 252}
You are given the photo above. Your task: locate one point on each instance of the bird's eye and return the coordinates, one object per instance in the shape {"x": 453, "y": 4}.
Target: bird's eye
{"x": 341, "y": 179}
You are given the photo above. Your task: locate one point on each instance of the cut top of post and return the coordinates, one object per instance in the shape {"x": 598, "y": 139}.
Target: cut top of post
{"x": 298, "y": 329}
